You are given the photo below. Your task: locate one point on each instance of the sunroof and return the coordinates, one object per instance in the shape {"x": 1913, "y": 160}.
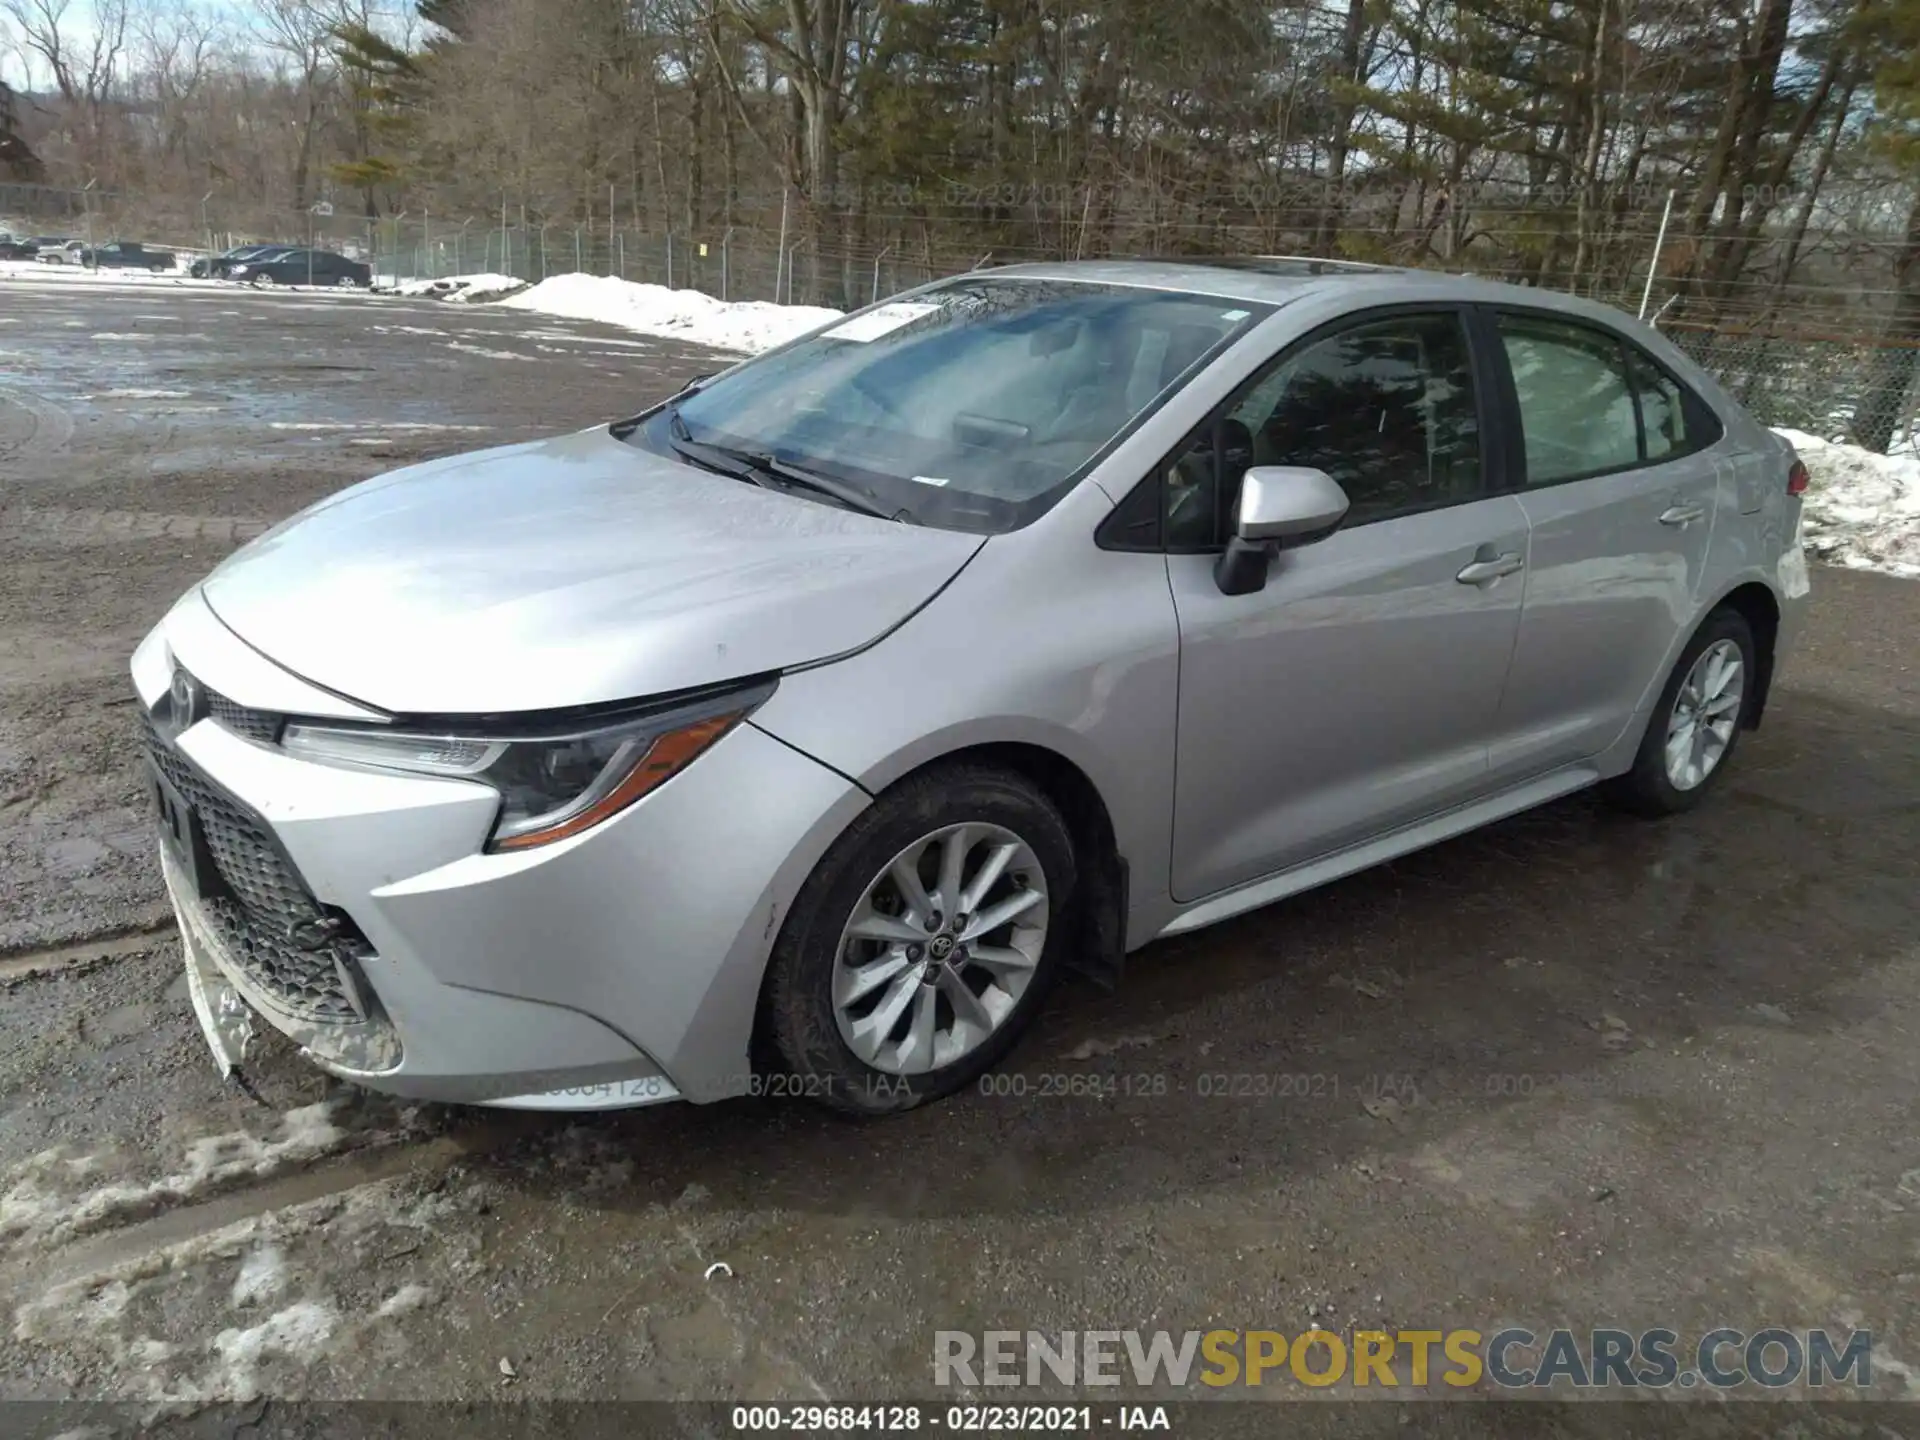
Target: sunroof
{"x": 1300, "y": 265}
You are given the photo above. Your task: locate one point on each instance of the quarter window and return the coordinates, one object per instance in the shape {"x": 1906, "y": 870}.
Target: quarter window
{"x": 1577, "y": 414}
{"x": 1663, "y": 412}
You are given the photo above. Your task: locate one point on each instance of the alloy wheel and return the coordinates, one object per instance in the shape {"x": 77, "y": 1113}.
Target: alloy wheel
{"x": 1705, "y": 713}
{"x": 940, "y": 948}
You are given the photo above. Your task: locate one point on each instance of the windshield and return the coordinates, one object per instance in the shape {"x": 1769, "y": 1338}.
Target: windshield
{"x": 974, "y": 406}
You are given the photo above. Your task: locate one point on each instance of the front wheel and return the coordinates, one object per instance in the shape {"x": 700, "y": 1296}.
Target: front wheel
{"x": 1696, "y": 724}
{"x": 923, "y": 943}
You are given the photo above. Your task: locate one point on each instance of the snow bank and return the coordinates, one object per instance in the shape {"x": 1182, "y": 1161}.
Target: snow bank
{"x": 741, "y": 325}
{"x": 34, "y": 272}
{"x": 462, "y": 287}
{"x": 1862, "y": 509}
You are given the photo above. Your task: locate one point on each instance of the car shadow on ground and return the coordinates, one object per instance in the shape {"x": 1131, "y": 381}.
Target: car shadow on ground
{"x": 1571, "y": 951}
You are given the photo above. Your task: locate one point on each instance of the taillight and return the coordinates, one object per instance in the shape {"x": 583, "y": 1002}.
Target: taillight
{"x": 1797, "y": 478}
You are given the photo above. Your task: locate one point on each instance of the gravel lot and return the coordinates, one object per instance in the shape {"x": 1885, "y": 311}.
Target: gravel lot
{"x": 1574, "y": 1070}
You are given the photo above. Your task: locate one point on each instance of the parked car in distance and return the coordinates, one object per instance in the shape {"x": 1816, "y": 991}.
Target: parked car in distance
{"x": 127, "y": 255}
{"x": 302, "y": 267}
{"x": 57, "y": 249}
{"x": 796, "y": 734}
{"x": 15, "y": 247}
{"x": 216, "y": 267}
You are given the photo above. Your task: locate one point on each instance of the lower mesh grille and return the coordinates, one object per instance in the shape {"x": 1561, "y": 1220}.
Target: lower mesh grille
{"x": 243, "y": 720}
{"x": 265, "y": 899}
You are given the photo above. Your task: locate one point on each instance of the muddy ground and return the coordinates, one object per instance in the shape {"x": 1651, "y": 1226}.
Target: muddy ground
{"x": 1574, "y": 1070}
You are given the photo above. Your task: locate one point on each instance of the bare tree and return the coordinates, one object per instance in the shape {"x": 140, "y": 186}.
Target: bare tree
{"x": 83, "y": 63}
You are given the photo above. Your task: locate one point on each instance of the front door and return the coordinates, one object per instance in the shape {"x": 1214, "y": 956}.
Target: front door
{"x": 1357, "y": 691}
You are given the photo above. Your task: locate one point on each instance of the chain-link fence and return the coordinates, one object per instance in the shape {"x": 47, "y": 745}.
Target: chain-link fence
{"x": 1832, "y": 373}
{"x": 1830, "y": 385}
{"x": 729, "y": 263}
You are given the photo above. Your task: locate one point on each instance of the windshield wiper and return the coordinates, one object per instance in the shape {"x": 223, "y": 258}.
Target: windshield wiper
{"x": 770, "y": 473}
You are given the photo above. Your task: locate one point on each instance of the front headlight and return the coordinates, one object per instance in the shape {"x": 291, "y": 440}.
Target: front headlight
{"x": 555, "y": 779}
{"x": 237, "y": 270}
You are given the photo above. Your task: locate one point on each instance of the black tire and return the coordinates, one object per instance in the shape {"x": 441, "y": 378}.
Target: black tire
{"x": 1646, "y": 788}
{"x": 799, "y": 1034}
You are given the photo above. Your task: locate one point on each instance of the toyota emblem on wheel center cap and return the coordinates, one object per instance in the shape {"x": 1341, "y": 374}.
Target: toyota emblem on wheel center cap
{"x": 940, "y": 947}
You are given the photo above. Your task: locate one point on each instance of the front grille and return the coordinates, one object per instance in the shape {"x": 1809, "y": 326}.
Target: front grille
{"x": 243, "y": 720}
{"x": 264, "y": 899}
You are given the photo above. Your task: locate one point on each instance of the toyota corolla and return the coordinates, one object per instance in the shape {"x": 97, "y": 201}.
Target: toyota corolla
{"x": 800, "y": 732}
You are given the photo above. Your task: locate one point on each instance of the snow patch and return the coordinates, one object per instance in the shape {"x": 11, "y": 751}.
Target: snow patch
{"x": 404, "y": 1301}
{"x": 482, "y": 350}
{"x": 263, "y": 1274}
{"x": 139, "y": 395}
{"x": 367, "y": 425}
{"x": 300, "y": 1331}
{"x": 1862, "y": 510}
{"x": 741, "y": 325}
{"x": 106, "y": 1321}
{"x": 462, "y": 287}
{"x": 33, "y": 1206}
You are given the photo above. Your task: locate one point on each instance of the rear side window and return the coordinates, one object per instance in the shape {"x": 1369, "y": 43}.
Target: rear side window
{"x": 1577, "y": 410}
{"x": 1592, "y": 403}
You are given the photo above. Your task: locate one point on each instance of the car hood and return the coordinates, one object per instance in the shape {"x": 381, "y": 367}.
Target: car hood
{"x": 565, "y": 572}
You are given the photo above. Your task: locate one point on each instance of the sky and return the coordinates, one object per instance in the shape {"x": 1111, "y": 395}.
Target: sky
{"x": 24, "y": 72}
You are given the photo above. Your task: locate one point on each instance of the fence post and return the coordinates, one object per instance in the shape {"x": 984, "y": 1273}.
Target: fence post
{"x": 621, "y": 238}
{"x": 726, "y": 245}
{"x": 669, "y": 259}
{"x": 1653, "y": 265}
{"x": 577, "y": 265}
{"x": 790, "y": 257}
{"x": 783, "y": 247}
{"x": 876, "y": 275}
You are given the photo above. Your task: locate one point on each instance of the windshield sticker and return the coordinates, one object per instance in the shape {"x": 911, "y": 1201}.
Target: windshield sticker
{"x": 928, "y": 479}
{"x": 883, "y": 321}
{"x": 1235, "y": 315}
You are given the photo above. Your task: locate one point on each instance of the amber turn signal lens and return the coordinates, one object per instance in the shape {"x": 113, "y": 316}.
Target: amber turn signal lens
{"x": 659, "y": 762}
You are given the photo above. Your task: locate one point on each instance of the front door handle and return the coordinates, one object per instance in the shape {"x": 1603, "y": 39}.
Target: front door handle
{"x": 1682, "y": 515}
{"x": 1485, "y": 572}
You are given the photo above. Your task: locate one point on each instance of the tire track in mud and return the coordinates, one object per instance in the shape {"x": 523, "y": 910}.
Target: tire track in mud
{"x": 31, "y": 426}
{"x": 111, "y": 527}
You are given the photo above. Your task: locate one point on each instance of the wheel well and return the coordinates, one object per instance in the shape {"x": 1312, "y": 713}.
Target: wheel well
{"x": 1100, "y": 897}
{"x": 1755, "y": 604}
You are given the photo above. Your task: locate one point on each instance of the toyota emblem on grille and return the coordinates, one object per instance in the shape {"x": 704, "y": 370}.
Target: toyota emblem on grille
{"x": 189, "y": 701}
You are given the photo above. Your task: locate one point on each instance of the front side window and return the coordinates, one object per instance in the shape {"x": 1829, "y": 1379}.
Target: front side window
{"x": 1385, "y": 407}
{"x": 974, "y": 406}
{"x": 1577, "y": 412}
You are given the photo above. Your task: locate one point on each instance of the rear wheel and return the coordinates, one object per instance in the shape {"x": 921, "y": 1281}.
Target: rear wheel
{"x": 346, "y": 282}
{"x": 1696, "y": 724}
{"x": 922, "y": 944}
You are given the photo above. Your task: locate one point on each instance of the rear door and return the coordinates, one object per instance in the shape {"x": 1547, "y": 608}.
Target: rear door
{"x": 1620, "y": 492}
{"x": 1357, "y": 691}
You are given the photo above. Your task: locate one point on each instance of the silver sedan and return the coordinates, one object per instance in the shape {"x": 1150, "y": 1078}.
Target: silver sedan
{"x": 796, "y": 735}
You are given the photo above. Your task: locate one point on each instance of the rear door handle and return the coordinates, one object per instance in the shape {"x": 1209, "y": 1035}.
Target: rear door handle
{"x": 1682, "y": 515}
{"x": 1485, "y": 572}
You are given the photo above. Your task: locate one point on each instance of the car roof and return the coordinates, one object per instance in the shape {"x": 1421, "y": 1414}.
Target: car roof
{"x": 1280, "y": 279}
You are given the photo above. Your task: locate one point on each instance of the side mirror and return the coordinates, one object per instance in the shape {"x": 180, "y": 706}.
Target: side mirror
{"x": 1281, "y": 508}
